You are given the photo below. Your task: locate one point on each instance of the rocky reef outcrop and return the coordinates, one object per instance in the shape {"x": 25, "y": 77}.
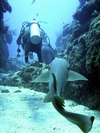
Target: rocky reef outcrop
{"x": 3, "y": 52}
{"x": 5, "y": 34}
{"x": 24, "y": 77}
{"x": 82, "y": 50}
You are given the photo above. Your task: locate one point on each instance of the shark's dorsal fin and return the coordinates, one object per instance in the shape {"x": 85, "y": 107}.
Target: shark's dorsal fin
{"x": 73, "y": 76}
{"x": 44, "y": 77}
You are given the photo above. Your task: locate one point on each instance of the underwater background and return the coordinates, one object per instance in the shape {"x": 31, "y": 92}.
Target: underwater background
{"x": 74, "y": 31}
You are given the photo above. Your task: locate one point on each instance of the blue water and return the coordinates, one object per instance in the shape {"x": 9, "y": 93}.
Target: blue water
{"x": 55, "y": 12}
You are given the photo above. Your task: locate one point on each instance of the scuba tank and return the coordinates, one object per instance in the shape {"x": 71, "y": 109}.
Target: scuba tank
{"x": 35, "y": 32}
{"x": 30, "y": 29}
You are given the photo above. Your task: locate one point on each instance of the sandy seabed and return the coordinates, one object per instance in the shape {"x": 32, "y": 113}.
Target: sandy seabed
{"x": 25, "y": 112}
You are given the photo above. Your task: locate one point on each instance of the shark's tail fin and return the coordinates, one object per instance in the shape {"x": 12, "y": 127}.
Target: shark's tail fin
{"x": 82, "y": 121}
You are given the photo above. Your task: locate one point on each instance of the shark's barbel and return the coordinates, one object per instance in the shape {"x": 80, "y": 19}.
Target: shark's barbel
{"x": 57, "y": 75}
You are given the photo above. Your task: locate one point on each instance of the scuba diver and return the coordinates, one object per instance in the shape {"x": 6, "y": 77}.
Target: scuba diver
{"x": 32, "y": 38}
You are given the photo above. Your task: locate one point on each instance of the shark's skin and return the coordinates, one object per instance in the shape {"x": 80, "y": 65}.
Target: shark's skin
{"x": 59, "y": 73}
{"x": 58, "y": 67}
{"x": 82, "y": 121}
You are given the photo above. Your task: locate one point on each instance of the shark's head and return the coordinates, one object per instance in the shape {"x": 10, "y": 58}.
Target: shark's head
{"x": 59, "y": 61}
{"x": 59, "y": 67}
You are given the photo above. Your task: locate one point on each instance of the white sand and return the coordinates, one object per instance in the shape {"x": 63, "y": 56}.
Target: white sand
{"x": 25, "y": 112}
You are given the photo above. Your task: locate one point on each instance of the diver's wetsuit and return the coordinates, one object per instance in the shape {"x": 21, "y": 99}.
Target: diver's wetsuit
{"x": 30, "y": 47}
{"x": 43, "y": 49}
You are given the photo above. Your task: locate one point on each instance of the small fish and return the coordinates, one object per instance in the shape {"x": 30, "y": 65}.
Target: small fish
{"x": 37, "y": 14}
{"x": 33, "y": 1}
{"x": 63, "y": 22}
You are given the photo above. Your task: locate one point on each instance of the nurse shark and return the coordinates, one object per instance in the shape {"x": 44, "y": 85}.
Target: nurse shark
{"x": 58, "y": 73}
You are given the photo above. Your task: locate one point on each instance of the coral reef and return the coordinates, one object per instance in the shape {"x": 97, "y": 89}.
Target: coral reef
{"x": 3, "y": 52}
{"x": 82, "y": 50}
{"x": 24, "y": 76}
{"x": 83, "y": 53}
{"x": 12, "y": 65}
{"x": 84, "y": 15}
{"x": 5, "y": 36}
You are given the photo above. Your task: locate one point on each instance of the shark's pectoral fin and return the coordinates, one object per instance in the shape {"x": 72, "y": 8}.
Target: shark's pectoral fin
{"x": 44, "y": 77}
{"x": 73, "y": 76}
{"x": 59, "y": 101}
{"x": 47, "y": 98}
